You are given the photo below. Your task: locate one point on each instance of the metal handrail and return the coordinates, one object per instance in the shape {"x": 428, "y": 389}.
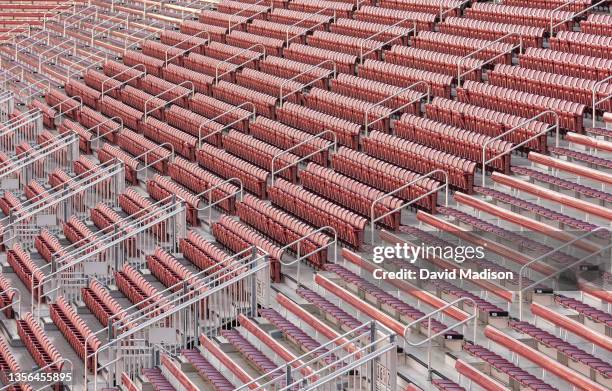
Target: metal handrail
{"x": 34, "y": 43}
{"x": 102, "y": 32}
{"x": 79, "y": 254}
{"x": 190, "y": 92}
{"x": 333, "y": 145}
{"x": 98, "y": 126}
{"x": 319, "y": 12}
{"x": 596, "y": 102}
{"x": 161, "y": 159}
{"x": 333, "y": 72}
{"x": 301, "y": 257}
{"x": 250, "y": 6}
{"x": 367, "y": 123}
{"x": 479, "y": 50}
{"x": 29, "y": 88}
{"x": 574, "y": 16}
{"x": 252, "y": 114}
{"x": 81, "y": 17}
{"x": 61, "y": 113}
{"x": 236, "y": 66}
{"x": 362, "y": 55}
{"x": 521, "y": 289}
{"x": 519, "y": 126}
{"x": 443, "y": 11}
{"x": 374, "y": 219}
{"x": 55, "y": 58}
{"x": 121, "y": 84}
{"x": 473, "y": 316}
{"x": 186, "y": 51}
{"x": 258, "y": 254}
{"x": 84, "y": 59}
{"x": 210, "y": 204}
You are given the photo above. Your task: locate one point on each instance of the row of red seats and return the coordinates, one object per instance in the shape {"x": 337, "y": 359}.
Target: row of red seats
{"x": 261, "y": 154}
{"x": 207, "y": 66}
{"x": 278, "y": 30}
{"x": 194, "y": 124}
{"x": 162, "y": 188}
{"x": 374, "y": 31}
{"x": 456, "y": 141}
{"x": 351, "y": 194}
{"x": 284, "y": 229}
{"x": 36, "y": 192}
{"x": 598, "y": 24}
{"x": 170, "y": 272}
{"x": 202, "y": 83}
{"x": 162, "y": 51}
{"x": 152, "y": 65}
{"x": 136, "y": 205}
{"x": 442, "y": 63}
{"x": 350, "y": 109}
{"x": 48, "y": 114}
{"x": 210, "y": 107}
{"x": 402, "y": 76}
{"x": 131, "y": 117}
{"x": 568, "y": 88}
{"x": 270, "y": 84}
{"x": 142, "y": 101}
{"x": 49, "y": 246}
{"x": 62, "y": 104}
{"x": 490, "y": 122}
{"x": 109, "y": 220}
{"x": 10, "y": 203}
{"x": 100, "y": 302}
{"x": 99, "y": 125}
{"x": 184, "y": 41}
{"x": 574, "y": 6}
{"x": 362, "y": 48}
{"x": 308, "y": 20}
{"x": 568, "y": 64}
{"x": 338, "y": 9}
{"x": 424, "y": 21}
{"x": 223, "y": 20}
{"x": 74, "y": 329}
{"x": 162, "y": 133}
{"x": 85, "y": 137}
{"x": 318, "y": 211}
{"x": 430, "y": 6}
{"x": 141, "y": 292}
{"x": 198, "y": 180}
{"x": 248, "y": 9}
{"x": 144, "y": 149}
{"x": 522, "y": 103}
{"x": 463, "y": 46}
{"x": 109, "y": 152}
{"x": 285, "y": 137}
{"x": 237, "y": 95}
{"x": 345, "y": 63}
{"x": 192, "y": 28}
{"x": 421, "y": 159}
{"x": 241, "y": 39}
{"x": 385, "y": 176}
{"x": 6, "y": 297}
{"x": 536, "y": 17}
{"x": 77, "y": 232}
{"x": 228, "y": 166}
{"x": 582, "y": 43}
{"x": 8, "y": 364}
{"x": 234, "y": 55}
{"x": 531, "y": 36}
{"x": 299, "y": 71}
{"x": 38, "y": 344}
{"x": 206, "y": 255}
{"x": 315, "y": 122}
{"x": 238, "y": 237}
